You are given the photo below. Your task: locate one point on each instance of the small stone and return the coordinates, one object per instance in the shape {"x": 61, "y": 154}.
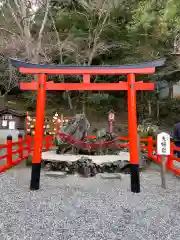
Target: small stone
{"x": 111, "y": 176}
{"x": 56, "y": 174}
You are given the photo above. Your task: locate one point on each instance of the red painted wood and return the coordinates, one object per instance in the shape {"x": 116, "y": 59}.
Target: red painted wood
{"x": 144, "y": 86}
{"x": 132, "y": 120}
{"x": 86, "y": 78}
{"x": 29, "y": 86}
{"x": 76, "y": 86}
{"x": 9, "y": 152}
{"x": 76, "y": 71}
{"x": 39, "y": 130}
{"x": 86, "y": 86}
{"x": 150, "y": 147}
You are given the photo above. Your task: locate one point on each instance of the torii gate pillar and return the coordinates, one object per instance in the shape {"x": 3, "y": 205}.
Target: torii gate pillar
{"x": 39, "y": 132}
{"x": 133, "y": 137}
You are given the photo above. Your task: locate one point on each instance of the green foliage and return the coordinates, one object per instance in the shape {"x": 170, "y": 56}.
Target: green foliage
{"x": 56, "y": 141}
{"x": 146, "y": 134}
{"x": 149, "y": 132}
{"x": 99, "y": 98}
{"x": 30, "y": 100}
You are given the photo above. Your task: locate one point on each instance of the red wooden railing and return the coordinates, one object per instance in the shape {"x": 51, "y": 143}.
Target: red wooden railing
{"x": 16, "y": 152}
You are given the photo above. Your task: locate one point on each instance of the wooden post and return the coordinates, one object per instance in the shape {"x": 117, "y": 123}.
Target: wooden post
{"x": 163, "y": 150}
{"x": 163, "y": 171}
{"x": 133, "y": 139}
{"x": 38, "y": 139}
{"x": 111, "y": 116}
{"x": 110, "y": 124}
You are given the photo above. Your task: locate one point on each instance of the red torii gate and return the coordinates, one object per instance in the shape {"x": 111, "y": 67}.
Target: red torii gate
{"x": 86, "y": 71}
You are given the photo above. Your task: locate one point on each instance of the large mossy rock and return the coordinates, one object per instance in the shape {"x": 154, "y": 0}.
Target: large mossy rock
{"x": 77, "y": 128}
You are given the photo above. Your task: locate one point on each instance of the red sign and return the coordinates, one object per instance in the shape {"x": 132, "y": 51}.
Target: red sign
{"x": 111, "y": 117}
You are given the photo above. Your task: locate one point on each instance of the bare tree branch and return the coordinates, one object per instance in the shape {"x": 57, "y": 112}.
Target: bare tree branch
{"x": 18, "y": 9}
{"x": 15, "y": 18}
{"x": 44, "y": 20}
{"x": 60, "y": 48}
{"x": 41, "y": 30}
{"x": 10, "y": 32}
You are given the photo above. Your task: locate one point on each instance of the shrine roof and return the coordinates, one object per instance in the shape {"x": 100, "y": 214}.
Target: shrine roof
{"x": 151, "y": 64}
{"x": 7, "y": 110}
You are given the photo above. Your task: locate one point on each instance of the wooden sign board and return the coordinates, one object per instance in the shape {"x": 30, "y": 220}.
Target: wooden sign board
{"x": 163, "y": 144}
{"x": 12, "y": 125}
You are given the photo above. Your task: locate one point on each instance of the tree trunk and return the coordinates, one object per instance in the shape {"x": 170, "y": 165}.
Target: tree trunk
{"x": 157, "y": 109}
{"x": 149, "y": 108}
{"x": 83, "y": 107}
{"x": 70, "y": 102}
{"x": 170, "y": 91}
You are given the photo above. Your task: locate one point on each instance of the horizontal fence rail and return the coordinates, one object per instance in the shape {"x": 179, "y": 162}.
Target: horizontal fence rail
{"x": 12, "y": 153}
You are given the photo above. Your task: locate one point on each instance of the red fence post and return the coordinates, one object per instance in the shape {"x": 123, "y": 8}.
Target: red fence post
{"x": 20, "y": 145}
{"x": 150, "y": 147}
{"x": 9, "y": 150}
{"x": 169, "y": 164}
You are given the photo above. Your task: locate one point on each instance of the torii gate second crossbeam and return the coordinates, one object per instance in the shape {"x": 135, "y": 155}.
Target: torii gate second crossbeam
{"x": 42, "y": 85}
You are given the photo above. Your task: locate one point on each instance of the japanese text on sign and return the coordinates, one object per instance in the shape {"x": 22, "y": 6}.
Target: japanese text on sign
{"x": 163, "y": 144}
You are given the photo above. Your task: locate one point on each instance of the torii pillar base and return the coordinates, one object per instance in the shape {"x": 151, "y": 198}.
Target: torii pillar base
{"x": 135, "y": 178}
{"x": 35, "y": 176}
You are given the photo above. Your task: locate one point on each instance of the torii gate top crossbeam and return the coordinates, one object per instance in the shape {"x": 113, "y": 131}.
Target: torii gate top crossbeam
{"x": 142, "y": 68}
{"x": 86, "y": 71}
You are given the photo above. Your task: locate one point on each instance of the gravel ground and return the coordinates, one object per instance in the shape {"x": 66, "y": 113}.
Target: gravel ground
{"x": 76, "y": 208}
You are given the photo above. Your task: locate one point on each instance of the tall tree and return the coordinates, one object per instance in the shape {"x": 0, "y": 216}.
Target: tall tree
{"x": 18, "y": 20}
